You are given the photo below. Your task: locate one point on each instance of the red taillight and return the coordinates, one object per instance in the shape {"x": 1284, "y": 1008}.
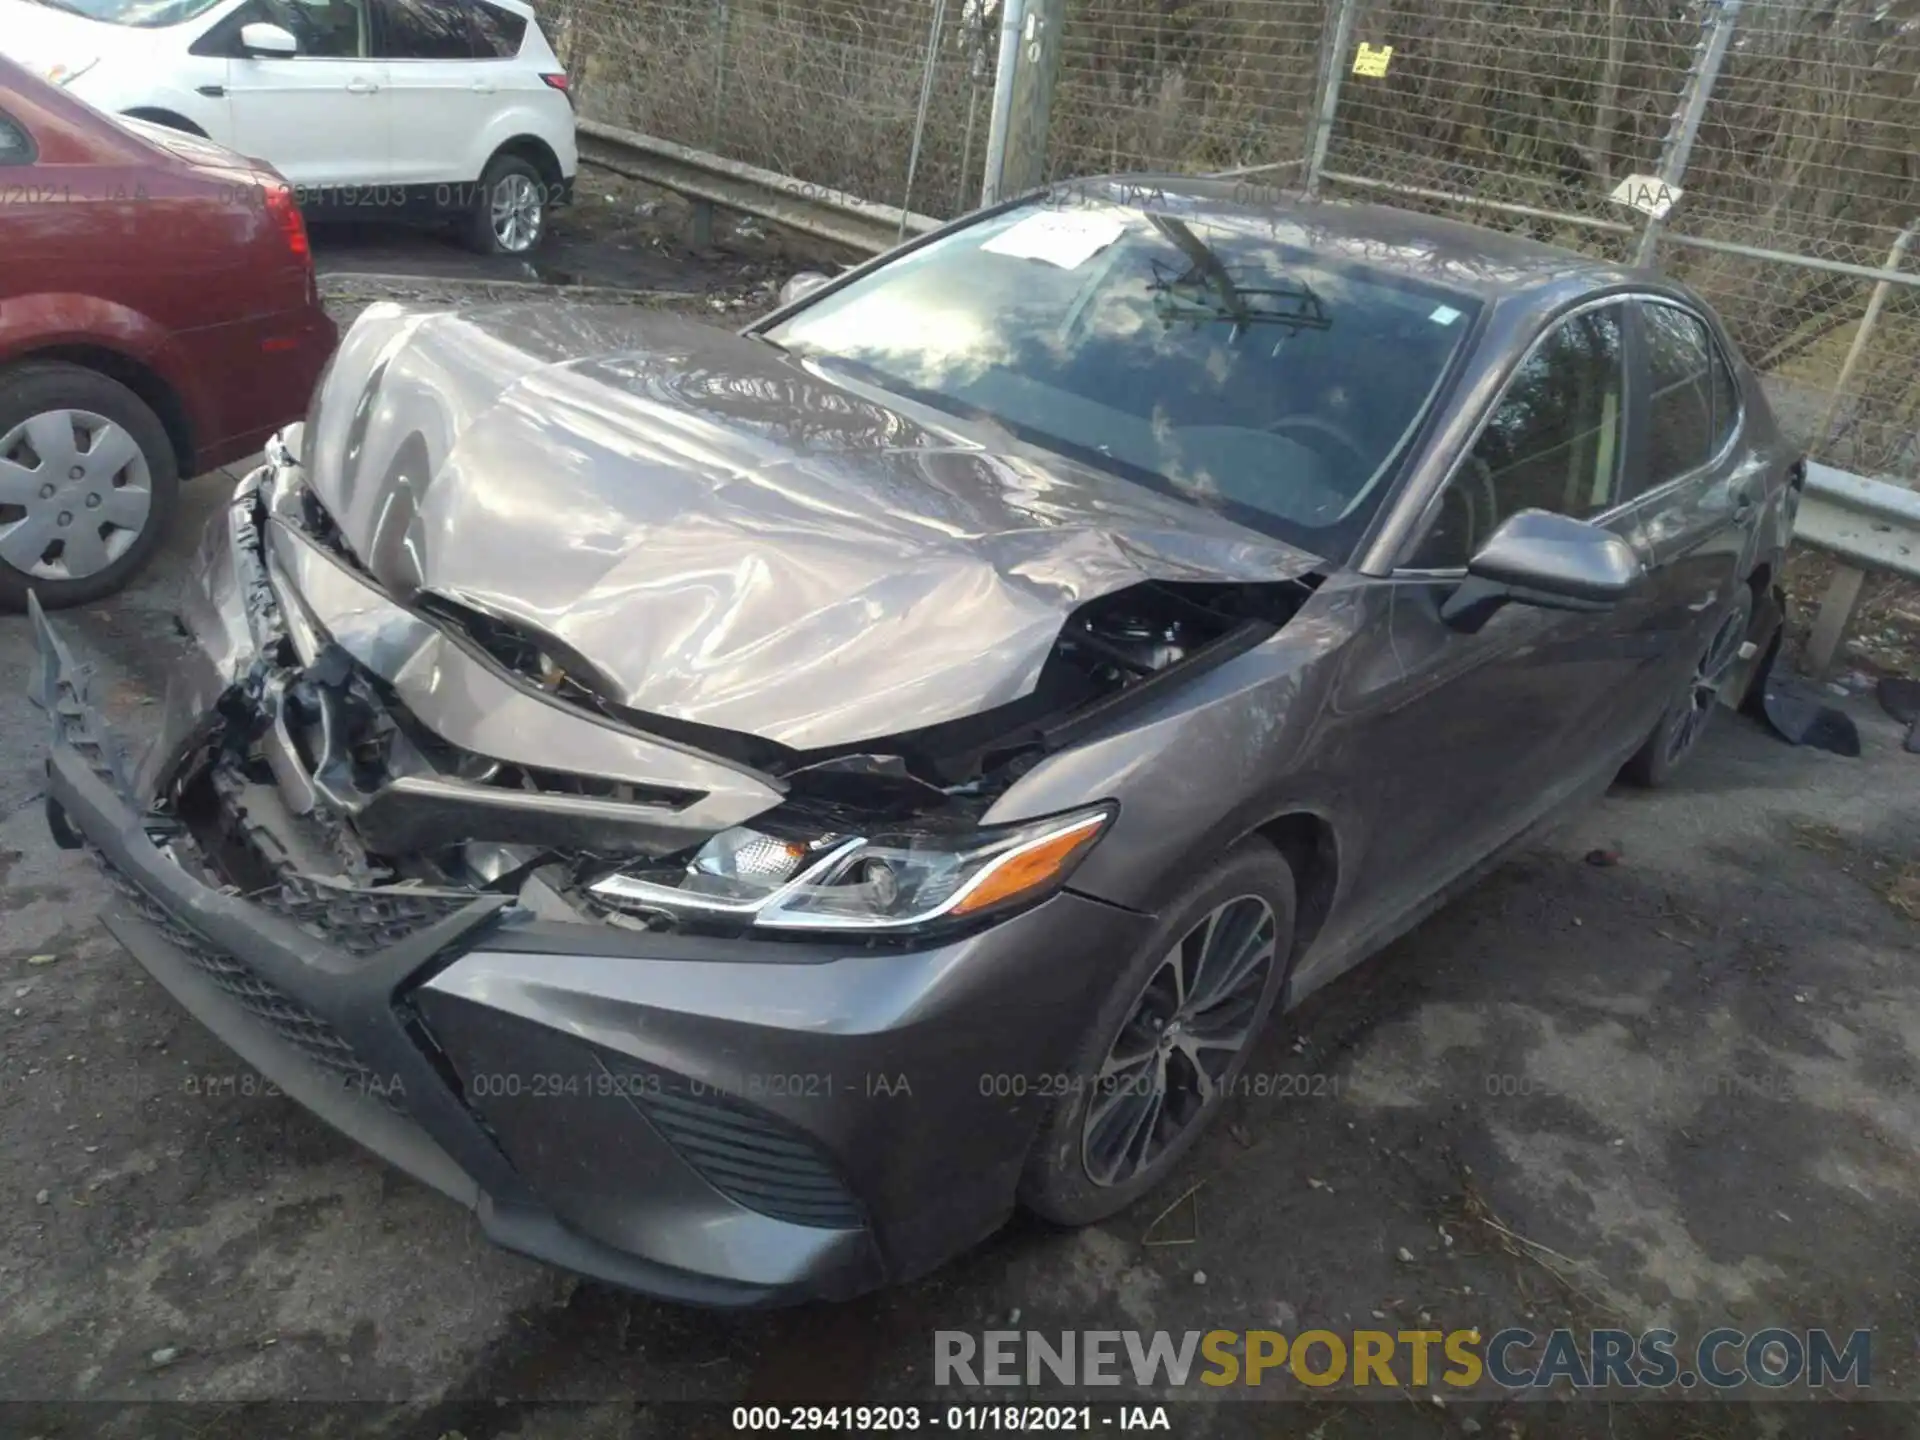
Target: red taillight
{"x": 557, "y": 82}
{"x": 286, "y": 215}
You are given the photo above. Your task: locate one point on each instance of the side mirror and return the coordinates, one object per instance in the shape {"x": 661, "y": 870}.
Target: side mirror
{"x": 805, "y": 283}
{"x": 1547, "y": 560}
{"x": 262, "y": 41}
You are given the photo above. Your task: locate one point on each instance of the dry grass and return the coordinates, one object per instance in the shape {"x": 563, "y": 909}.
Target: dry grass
{"x": 1903, "y": 892}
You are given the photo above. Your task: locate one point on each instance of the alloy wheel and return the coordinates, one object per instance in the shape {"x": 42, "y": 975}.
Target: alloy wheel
{"x": 1703, "y": 689}
{"x": 1187, "y": 1027}
{"x": 75, "y": 493}
{"x": 517, "y": 213}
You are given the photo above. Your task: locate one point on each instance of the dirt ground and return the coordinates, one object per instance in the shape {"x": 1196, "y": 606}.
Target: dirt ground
{"x": 1679, "y": 1088}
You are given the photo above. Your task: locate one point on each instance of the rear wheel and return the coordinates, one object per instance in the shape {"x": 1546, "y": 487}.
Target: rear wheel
{"x": 510, "y": 214}
{"x": 87, "y": 483}
{"x": 1161, "y": 1057}
{"x": 1687, "y": 716}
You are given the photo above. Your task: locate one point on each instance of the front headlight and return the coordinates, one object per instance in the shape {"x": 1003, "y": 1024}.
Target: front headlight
{"x": 65, "y": 72}
{"x": 887, "y": 881}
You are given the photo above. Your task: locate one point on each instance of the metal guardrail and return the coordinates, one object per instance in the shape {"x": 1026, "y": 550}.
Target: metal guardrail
{"x": 714, "y": 180}
{"x": 1868, "y": 523}
{"x": 1865, "y": 525}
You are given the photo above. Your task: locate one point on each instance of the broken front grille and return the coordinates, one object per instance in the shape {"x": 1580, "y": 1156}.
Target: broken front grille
{"x": 286, "y": 1017}
{"x": 361, "y": 922}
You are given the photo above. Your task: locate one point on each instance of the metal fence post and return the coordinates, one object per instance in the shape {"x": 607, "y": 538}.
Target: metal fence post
{"x": 920, "y": 118}
{"x": 1876, "y": 302}
{"x": 1013, "y": 14}
{"x": 702, "y": 236}
{"x": 1030, "y": 37}
{"x": 1333, "y": 68}
{"x": 1684, "y": 128}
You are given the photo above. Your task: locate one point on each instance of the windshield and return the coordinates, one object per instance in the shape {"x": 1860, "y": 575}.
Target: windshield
{"x": 1223, "y": 360}
{"x": 146, "y": 14}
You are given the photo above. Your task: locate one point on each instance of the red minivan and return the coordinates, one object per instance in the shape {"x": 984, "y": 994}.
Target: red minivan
{"x": 158, "y": 317}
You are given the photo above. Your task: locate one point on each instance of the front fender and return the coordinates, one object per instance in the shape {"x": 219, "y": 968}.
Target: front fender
{"x": 119, "y": 87}
{"x": 1203, "y": 767}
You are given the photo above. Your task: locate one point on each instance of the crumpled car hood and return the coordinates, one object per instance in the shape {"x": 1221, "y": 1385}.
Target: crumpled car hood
{"x": 726, "y": 534}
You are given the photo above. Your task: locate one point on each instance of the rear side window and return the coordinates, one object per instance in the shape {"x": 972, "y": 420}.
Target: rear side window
{"x": 16, "y": 146}
{"x": 501, "y": 31}
{"x": 424, "y": 30}
{"x": 1694, "y": 403}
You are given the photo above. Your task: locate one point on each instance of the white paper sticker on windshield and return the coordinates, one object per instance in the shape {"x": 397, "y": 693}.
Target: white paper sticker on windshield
{"x": 1444, "y": 315}
{"x": 1067, "y": 238}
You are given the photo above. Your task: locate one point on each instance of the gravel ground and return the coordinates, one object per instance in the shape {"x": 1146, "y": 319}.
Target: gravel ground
{"x": 1678, "y": 1088}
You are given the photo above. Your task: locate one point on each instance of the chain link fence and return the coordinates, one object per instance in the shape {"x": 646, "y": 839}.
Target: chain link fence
{"x": 1184, "y": 85}
{"x": 1797, "y": 177}
{"x": 1807, "y": 148}
{"x": 1792, "y": 137}
{"x": 827, "y": 91}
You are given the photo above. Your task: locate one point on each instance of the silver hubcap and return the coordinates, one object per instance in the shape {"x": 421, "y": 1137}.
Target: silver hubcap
{"x": 75, "y": 493}
{"x": 1703, "y": 690}
{"x": 517, "y": 213}
{"x": 1173, "y": 1053}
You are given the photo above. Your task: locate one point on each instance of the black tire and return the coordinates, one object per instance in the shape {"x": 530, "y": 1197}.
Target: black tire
{"x": 1058, "y": 1184}
{"x": 37, "y": 388}
{"x": 1666, "y": 749}
{"x": 503, "y": 170}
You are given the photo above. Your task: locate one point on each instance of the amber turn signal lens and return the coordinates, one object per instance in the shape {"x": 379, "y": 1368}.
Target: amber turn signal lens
{"x": 1029, "y": 868}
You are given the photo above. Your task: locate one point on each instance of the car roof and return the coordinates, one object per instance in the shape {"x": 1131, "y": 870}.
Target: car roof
{"x": 1472, "y": 259}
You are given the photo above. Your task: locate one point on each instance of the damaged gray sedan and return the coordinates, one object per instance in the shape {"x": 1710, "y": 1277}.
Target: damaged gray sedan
{"x": 744, "y": 812}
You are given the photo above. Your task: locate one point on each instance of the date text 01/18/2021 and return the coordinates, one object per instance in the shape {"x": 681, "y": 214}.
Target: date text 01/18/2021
{"x": 890, "y": 1419}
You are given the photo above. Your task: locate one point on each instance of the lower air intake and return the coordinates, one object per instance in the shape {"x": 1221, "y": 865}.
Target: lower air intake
{"x": 752, "y": 1158}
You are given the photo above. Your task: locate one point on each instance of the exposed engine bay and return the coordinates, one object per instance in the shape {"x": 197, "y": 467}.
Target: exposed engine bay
{"x": 325, "y": 763}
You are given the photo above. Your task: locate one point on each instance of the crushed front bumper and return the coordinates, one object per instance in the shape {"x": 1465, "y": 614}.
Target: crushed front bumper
{"x": 710, "y": 1121}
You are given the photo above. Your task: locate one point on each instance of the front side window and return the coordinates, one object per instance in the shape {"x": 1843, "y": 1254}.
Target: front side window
{"x": 1232, "y": 360}
{"x": 1552, "y": 443}
{"x": 425, "y": 30}
{"x": 322, "y": 29}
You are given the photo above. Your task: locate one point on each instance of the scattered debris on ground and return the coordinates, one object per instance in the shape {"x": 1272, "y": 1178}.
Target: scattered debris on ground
{"x": 1802, "y": 713}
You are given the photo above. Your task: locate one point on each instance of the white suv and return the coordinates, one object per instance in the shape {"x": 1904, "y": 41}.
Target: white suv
{"x": 397, "y": 109}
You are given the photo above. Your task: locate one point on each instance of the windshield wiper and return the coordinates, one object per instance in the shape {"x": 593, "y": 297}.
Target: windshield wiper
{"x": 1207, "y": 291}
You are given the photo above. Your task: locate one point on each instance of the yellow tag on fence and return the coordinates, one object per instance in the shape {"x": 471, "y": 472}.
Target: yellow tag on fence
{"x": 1372, "y": 59}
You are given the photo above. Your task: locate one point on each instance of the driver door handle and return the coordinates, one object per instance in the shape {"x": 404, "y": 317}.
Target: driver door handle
{"x": 483, "y": 87}
{"x": 358, "y": 86}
